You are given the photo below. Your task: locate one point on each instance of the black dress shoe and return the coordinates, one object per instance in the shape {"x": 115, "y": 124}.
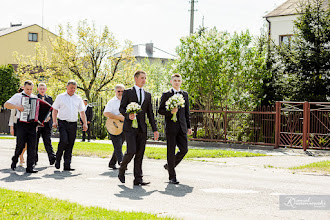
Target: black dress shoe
{"x": 31, "y": 171}
{"x": 140, "y": 183}
{"x": 121, "y": 177}
{"x": 52, "y": 161}
{"x": 13, "y": 166}
{"x": 166, "y": 167}
{"x": 174, "y": 181}
{"x": 57, "y": 165}
{"x": 113, "y": 166}
{"x": 69, "y": 169}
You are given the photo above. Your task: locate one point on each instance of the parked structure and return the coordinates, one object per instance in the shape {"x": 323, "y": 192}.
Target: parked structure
{"x": 23, "y": 39}
{"x": 280, "y": 20}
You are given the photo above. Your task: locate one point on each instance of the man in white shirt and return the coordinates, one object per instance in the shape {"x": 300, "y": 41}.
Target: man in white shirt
{"x": 26, "y": 132}
{"x": 66, "y": 108}
{"x": 112, "y": 111}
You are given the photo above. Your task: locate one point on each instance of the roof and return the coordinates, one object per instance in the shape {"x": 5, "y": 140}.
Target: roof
{"x": 8, "y": 30}
{"x": 142, "y": 50}
{"x": 290, "y": 7}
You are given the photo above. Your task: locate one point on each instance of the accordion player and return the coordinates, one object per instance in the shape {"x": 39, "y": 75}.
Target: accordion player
{"x": 35, "y": 110}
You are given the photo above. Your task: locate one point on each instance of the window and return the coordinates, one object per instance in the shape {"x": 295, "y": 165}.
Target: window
{"x": 285, "y": 39}
{"x": 33, "y": 37}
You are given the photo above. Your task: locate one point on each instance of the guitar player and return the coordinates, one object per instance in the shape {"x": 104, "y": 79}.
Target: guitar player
{"x": 115, "y": 125}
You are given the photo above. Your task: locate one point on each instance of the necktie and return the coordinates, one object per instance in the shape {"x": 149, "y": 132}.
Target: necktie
{"x": 140, "y": 101}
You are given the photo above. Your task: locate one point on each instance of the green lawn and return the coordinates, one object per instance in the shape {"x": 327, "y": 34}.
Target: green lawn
{"x": 105, "y": 150}
{"x": 7, "y": 137}
{"x": 322, "y": 167}
{"x": 21, "y": 205}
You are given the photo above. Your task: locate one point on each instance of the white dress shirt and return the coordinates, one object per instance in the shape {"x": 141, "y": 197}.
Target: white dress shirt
{"x": 68, "y": 106}
{"x": 137, "y": 89}
{"x": 17, "y": 100}
{"x": 113, "y": 106}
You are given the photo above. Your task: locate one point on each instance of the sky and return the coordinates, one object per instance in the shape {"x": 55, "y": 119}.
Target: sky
{"x": 162, "y": 22}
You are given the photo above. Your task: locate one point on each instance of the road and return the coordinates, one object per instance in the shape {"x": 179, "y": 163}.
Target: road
{"x": 225, "y": 188}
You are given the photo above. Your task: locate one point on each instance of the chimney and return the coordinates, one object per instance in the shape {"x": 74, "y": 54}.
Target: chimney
{"x": 15, "y": 25}
{"x": 149, "y": 48}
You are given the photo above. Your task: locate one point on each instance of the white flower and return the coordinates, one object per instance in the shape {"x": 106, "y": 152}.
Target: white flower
{"x": 175, "y": 101}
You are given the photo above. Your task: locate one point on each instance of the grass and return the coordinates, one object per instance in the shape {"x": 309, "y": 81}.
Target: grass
{"x": 7, "y": 137}
{"x": 105, "y": 150}
{"x": 22, "y": 205}
{"x": 320, "y": 167}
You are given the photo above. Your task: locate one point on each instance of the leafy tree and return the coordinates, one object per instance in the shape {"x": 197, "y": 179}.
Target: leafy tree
{"x": 83, "y": 54}
{"x": 306, "y": 59}
{"x": 220, "y": 69}
{"x": 9, "y": 83}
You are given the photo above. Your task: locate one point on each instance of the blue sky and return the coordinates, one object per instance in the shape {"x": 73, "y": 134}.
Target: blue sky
{"x": 162, "y": 22}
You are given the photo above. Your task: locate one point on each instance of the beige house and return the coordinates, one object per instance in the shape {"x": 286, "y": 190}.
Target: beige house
{"x": 23, "y": 39}
{"x": 280, "y": 20}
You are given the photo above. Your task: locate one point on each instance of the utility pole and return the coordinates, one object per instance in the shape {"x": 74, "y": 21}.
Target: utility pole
{"x": 192, "y": 12}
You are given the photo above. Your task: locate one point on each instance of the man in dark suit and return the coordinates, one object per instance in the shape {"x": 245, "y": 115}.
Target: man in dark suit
{"x": 45, "y": 131}
{"x": 136, "y": 137}
{"x": 176, "y": 132}
{"x": 89, "y": 116}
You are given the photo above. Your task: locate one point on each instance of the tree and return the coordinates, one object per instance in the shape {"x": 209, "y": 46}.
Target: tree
{"x": 306, "y": 59}
{"x": 9, "y": 83}
{"x": 83, "y": 54}
{"x": 220, "y": 69}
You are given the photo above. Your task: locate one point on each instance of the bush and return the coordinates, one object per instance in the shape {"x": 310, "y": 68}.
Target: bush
{"x": 9, "y": 83}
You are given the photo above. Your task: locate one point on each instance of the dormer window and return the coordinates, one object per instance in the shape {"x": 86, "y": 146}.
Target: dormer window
{"x": 33, "y": 37}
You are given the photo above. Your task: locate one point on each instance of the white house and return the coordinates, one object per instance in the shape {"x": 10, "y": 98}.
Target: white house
{"x": 280, "y": 20}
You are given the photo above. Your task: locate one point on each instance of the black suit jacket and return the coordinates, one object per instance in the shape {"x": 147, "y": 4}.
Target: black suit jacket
{"x": 89, "y": 113}
{"x": 183, "y": 114}
{"x": 48, "y": 99}
{"x": 129, "y": 96}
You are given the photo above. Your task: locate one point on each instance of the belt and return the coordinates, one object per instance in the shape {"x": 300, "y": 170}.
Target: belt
{"x": 70, "y": 122}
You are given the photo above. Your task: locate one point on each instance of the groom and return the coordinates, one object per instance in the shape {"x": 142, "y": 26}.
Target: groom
{"x": 136, "y": 137}
{"x": 176, "y": 132}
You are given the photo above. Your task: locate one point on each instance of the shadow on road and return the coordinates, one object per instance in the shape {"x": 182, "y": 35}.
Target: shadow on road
{"x": 135, "y": 193}
{"x": 179, "y": 190}
{"x": 59, "y": 175}
{"x": 15, "y": 176}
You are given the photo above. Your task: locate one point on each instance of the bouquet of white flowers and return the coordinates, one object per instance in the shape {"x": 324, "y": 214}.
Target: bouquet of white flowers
{"x": 133, "y": 107}
{"x": 174, "y": 101}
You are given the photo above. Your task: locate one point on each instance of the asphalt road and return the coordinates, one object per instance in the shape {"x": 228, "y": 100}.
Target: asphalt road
{"x": 226, "y": 188}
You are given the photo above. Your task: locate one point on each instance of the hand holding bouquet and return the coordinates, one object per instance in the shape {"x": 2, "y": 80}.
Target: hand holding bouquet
{"x": 133, "y": 108}
{"x": 174, "y": 101}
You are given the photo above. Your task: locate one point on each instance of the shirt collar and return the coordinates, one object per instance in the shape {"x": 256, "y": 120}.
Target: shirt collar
{"x": 174, "y": 90}
{"x": 137, "y": 88}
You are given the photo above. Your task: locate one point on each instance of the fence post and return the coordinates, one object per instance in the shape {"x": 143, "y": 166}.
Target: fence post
{"x": 305, "y": 124}
{"x": 225, "y": 120}
{"x": 277, "y": 123}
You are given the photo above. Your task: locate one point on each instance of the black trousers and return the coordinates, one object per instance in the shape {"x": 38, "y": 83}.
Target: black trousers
{"x": 45, "y": 133}
{"x": 68, "y": 131}
{"x": 117, "y": 155}
{"x": 179, "y": 139}
{"x": 88, "y": 133}
{"x": 26, "y": 134}
{"x": 136, "y": 145}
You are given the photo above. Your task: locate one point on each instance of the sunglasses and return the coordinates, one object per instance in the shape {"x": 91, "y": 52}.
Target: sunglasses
{"x": 120, "y": 91}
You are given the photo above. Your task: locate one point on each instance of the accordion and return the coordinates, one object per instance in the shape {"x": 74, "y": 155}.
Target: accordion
{"x": 35, "y": 110}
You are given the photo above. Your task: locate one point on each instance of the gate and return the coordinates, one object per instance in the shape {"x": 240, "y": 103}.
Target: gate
{"x": 303, "y": 125}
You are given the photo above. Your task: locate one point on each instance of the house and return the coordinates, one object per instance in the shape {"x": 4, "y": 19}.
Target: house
{"x": 149, "y": 51}
{"x": 280, "y": 20}
{"x": 23, "y": 39}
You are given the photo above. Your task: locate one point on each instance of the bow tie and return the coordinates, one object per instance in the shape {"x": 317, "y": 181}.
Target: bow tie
{"x": 178, "y": 92}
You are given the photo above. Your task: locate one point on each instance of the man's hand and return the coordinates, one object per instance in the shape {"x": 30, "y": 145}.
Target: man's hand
{"x": 12, "y": 130}
{"x": 47, "y": 119}
{"x": 88, "y": 122}
{"x": 85, "y": 127}
{"x": 189, "y": 131}
{"x": 121, "y": 117}
{"x": 175, "y": 110}
{"x": 132, "y": 116}
{"x": 156, "y": 135}
{"x": 20, "y": 108}
{"x": 54, "y": 124}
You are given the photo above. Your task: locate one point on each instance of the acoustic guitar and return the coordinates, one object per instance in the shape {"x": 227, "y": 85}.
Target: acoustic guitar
{"x": 114, "y": 126}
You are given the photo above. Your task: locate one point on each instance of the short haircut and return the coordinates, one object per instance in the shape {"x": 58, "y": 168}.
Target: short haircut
{"x": 28, "y": 82}
{"x": 42, "y": 84}
{"x": 72, "y": 82}
{"x": 138, "y": 72}
{"x": 176, "y": 75}
{"x": 86, "y": 100}
{"x": 119, "y": 86}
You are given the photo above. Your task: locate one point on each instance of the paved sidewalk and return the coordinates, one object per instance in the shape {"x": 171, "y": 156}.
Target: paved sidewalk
{"x": 227, "y": 188}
